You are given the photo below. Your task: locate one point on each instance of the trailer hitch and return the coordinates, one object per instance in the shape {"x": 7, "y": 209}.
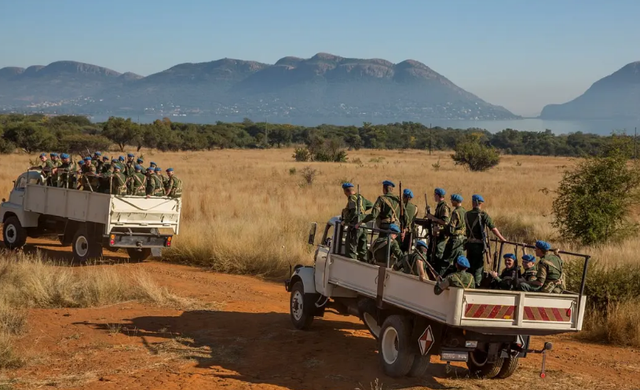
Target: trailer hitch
{"x": 547, "y": 347}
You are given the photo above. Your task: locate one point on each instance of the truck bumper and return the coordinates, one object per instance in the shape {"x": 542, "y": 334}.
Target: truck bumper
{"x": 116, "y": 240}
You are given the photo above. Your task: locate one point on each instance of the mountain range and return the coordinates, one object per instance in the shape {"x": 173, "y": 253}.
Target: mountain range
{"x": 616, "y": 96}
{"x": 322, "y": 89}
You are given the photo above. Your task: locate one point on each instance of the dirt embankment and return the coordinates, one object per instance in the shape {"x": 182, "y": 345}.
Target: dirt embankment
{"x": 245, "y": 340}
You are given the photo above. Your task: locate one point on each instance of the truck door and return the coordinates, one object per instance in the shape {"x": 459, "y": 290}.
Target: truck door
{"x": 321, "y": 258}
{"x": 17, "y": 194}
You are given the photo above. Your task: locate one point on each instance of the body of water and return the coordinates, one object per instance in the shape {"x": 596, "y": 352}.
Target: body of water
{"x": 602, "y": 127}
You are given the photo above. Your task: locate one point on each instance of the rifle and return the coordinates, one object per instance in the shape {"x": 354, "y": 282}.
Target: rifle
{"x": 435, "y": 274}
{"x": 427, "y": 212}
{"x": 486, "y": 253}
{"x": 401, "y": 205}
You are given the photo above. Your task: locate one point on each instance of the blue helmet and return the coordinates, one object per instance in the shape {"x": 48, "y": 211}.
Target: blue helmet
{"x": 117, "y": 166}
{"x": 113, "y": 160}
{"x": 158, "y": 169}
{"x": 543, "y": 245}
{"x": 463, "y": 262}
{"x": 510, "y": 256}
{"x": 138, "y": 167}
{"x": 81, "y": 162}
{"x": 105, "y": 158}
{"x": 529, "y": 258}
{"x": 88, "y": 158}
{"x": 347, "y": 185}
{"x": 43, "y": 155}
{"x": 152, "y": 163}
{"x": 130, "y": 155}
{"x": 53, "y": 154}
{"x": 439, "y": 192}
{"x": 407, "y": 193}
{"x": 140, "y": 160}
{"x": 169, "y": 169}
{"x": 421, "y": 243}
{"x": 64, "y": 155}
{"x": 388, "y": 183}
{"x": 121, "y": 158}
{"x": 98, "y": 154}
{"x": 394, "y": 228}
{"x": 456, "y": 197}
{"x": 477, "y": 198}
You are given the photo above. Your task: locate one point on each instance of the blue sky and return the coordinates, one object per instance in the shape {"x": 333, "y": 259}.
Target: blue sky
{"x": 516, "y": 53}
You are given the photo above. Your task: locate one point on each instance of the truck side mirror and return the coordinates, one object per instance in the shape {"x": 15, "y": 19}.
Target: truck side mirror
{"x": 312, "y": 233}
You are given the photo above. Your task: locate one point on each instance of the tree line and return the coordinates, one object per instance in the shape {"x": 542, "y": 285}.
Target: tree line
{"x": 33, "y": 133}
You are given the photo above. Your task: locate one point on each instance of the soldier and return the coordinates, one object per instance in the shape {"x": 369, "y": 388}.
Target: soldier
{"x": 106, "y": 166}
{"x": 163, "y": 180}
{"x": 410, "y": 212}
{"x": 386, "y": 209}
{"x": 153, "y": 165}
{"x": 415, "y": 264}
{"x": 509, "y": 275}
{"x": 378, "y": 251}
{"x": 65, "y": 172}
{"x": 159, "y": 190}
{"x": 45, "y": 168}
{"x": 530, "y": 271}
{"x": 130, "y": 167}
{"x": 174, "y": 186}
{"x": 550, "y": 277}
{"x": 456, "y": 231}
{"x": 461, "y": 278}
{"x": 140, "y": 161}
{"x": 476, "y": 221}
{"x": 137, "y": 182}
{"x": 89, "y": 178}
{"x": 78, "y": 175}
{"x": 96, "y": 161}
{"x": 151, "y": 182}
{"x": 443, "y": 213}
{"x": 55, "y": 159}
{"x": 119, "y": 181}
{"x": 352, "y": 214}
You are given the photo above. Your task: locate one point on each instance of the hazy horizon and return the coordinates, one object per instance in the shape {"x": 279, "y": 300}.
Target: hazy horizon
{"x": 517, "y": 54}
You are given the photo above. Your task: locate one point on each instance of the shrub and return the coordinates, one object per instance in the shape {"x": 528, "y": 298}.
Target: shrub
{"x": 436, "y": 166}
{"x": 475, "y": 156}
{"x": 357, "y": 161}
{"x": 292, "y": 171}
{"x": 6, "y": 147}
{"x": 595, "y": 200}
{"x": 302, "y": 154}
{"x": 309, "y": 174}
{"x": 81, "y": 143}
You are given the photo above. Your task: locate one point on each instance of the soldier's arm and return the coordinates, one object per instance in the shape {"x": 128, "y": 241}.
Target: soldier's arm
{"x": 488, "y": 222}
{"x": 422, "y": 274}
{"x": 446, "y": 214}
{"x": 540, "y": 277}
{"x": 374, "y": 212}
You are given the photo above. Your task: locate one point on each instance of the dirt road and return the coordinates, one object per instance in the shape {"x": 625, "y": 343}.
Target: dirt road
{"x": 245, "y": 340}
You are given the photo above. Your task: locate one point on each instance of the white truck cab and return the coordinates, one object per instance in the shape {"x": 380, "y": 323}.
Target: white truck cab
{"x": 487, "y": 329}
{"x": 88, "y": 221}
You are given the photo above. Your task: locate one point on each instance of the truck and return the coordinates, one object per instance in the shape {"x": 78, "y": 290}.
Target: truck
{"x": 88, "y": 221}
{"x": 488, "y": 329}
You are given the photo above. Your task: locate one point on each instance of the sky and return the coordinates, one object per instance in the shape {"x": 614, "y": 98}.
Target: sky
{"x": 515, "y": 53}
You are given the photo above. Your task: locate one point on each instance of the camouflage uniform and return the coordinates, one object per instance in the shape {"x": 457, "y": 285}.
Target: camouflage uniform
{"x": 507, "y": 278}
{"x": 531, "y": 274}
{"x": 409, "y": 264}
{"x": 174, "y": 187}
{"x": 65, "y": 174}
{"x": 456, "y": 230}
{"x": 137, "y": 184}
{"x": 159, "y": 186}
{"x": 460, "y": 278}
{"x": 549, "y": 274}
{"x": 476, "y": 221}
{"x": 46, "y": 173}
{"x": 378, "y": 252}
{"x": 151, "y": 184}
{"x": 356, "y": 239}
{"x": 443, "y": 212}
{"x": 89, "y": 178}
{"x": 386, "y": 211}
{"x": 119, "y": 183}
{"x": 410, "y": 212}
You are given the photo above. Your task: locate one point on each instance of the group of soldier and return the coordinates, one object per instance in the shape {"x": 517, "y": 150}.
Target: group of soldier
{"x": 452, "y": 232}
{"x": 102, "y": 174}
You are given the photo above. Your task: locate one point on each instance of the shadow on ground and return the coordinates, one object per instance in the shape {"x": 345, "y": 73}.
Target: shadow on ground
{"x": 54, "y": 251}
{"x": 264, "y": 348}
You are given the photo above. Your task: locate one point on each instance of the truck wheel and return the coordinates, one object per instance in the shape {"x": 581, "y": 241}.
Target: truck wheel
{"x": 301, "y": 307}
{"x": 419, "y": 366}
{"x": 83, "y": 247}
{"x": 508, "y": 367}
{"x": 369, "y": 316}
{"x": 137, "y": 256}
{"x": 13, "y": 234}
{"x": 396, "y": 353}
{"x": 479, "y": 366}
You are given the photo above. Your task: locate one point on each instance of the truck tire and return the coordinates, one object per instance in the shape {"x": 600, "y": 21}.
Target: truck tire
{"x": 301, "y": 307}
{"x": 479, "y": 367}
{"x": 419, "y": 366}
{"x": 13, "y": 234}
{"x": 508, "y": 367}
{"x": 138, "y": 255}
{"x": 83, "y": 247}
{"x": 369, "y": 316}
{"x": 394, "y": 346}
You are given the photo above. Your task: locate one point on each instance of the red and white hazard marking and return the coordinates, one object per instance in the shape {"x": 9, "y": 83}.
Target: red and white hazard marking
{"x": 425, "y": 341}
{"x": 506, "y": 312}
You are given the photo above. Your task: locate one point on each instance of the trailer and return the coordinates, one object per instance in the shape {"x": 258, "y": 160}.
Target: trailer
{"x": 488, "y": 329}
{"x": 88, "y": 221}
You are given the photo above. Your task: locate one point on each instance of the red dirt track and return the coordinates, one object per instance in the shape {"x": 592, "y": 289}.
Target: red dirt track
{"x": 245, "y": 340}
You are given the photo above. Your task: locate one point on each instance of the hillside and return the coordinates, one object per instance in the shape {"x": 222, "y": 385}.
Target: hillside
{"x": 616, "y": 96}
{"x": 322, "y": 88}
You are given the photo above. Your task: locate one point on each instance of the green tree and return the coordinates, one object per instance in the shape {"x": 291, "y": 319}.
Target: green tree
{"x": 30, "y": 136}
{"x": 595, "y": 200}
{"x": 475, "y": 156}
{"x": 123, "y": 132}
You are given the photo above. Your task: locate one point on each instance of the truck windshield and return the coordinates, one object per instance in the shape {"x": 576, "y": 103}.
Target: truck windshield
{"x": 21, "y": 183}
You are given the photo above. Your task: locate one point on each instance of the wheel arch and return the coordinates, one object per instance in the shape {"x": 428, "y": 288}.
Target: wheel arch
{"x": 306, "y": 276}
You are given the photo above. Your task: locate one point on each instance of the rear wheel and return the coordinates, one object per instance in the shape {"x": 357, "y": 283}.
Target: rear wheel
{"x": 83, "y": 247}
{"x": 480, "y": 367}
{"x": 509, "y": 366}
{"x": 419, "y": 366}
{"x": 301, "y": 307}
{"x": 13, "y": 234}
{"x": 396, "y": 353}
{"x": 139, "y": 255}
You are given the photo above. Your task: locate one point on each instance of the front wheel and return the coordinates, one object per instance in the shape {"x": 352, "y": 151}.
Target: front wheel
{"x": 13, "y": 234}
{"x": 139, "y": 255}
{"x": 301, "y": 307}
{"x": 394, "y": 346}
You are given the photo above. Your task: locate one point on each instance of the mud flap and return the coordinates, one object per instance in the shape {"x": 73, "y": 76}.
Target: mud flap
{"x": 156, "y": 252}
{"x": 426, "y": 336}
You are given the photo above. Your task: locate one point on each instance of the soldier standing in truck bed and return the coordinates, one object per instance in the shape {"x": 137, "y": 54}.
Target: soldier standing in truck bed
{"x": 443, "y": 213}
{"x": 456, "y": 230}
{"x": 119, "y": 181}
{"x": 174, "y": 187}
{"x": 386, "y": 209}
{"x": 137, "y": 182}
{"x": 410, "y": 212}
{"x": 352, "y": 214}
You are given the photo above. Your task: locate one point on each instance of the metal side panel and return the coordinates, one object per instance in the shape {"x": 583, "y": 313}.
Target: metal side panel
{"x": 353, "y": 275}
{"x": 153, "y": 212}
{"x": 409, "y": 293}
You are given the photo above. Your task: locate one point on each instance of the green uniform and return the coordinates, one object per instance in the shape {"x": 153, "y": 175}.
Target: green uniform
{"x": 378, "y": 252}
{"x": 356, "y": 239}
{"x": 151, "y": 185}
{"x": 443, "y": 212}
{"x": 174, "y": 188}
{"x": 409, "y": 264}
{"x": 159, "y": 186}
{"x": 137, "y": 184}
{"x": 507, "y": 278}
{"x": 129, "y": 169}
{"x": 65, "y": 175}
{"x": 550, "y": 276}
{"x": 476, "y": 221}
{"x": 461, "y": 279}
{"x": 46, "y": 168}
{"x": 456, "y": 230}
{"x": 89, "y": 178}
{"x": 165, "y": 181}
{"x": 118, "y": 183}
{"x": 531, "y": 274}
{"x": 410, "y": 213}
{"x": 386, "y": 211}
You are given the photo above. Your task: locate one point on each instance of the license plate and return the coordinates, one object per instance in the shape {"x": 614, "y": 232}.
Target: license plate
{"x": 454, "y": 356}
